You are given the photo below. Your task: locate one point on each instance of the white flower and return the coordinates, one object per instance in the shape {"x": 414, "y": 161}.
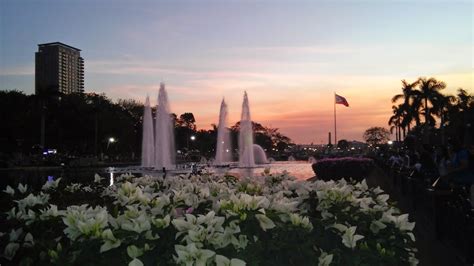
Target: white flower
{"x": 382, "y": 198}
{"x": 412, "y": 260}
{"x": 135, "y": 262}
{"x": 265, "y": 222}
{"x": 138, "y": 225}
{"x": 10, "y": 250}
{"x": 97, "y": 178}
{"x": 15, "y": 234}
{"x": 349, "y": 239}
{"x": 133, "y": 251}
{"x": 377, "y": 190}
{"x": 376, "y": 226}
{"x": 32, "y": 200}
{"x": 162, "y": 222}
{"x": 298, "y": 220}
{"x": 110, "y": 241}
{"x": 13, "y": 214}
{"x": 22, "y": 188}
{"x": 400, "y": 221}
{"x": 81, "y": 220}
{"x": 9, "y": 190}
{"x": 182, "y": 224}
{"x": 51, "y": 184}
{"x": 325, "y": 259}
{"x": 191, "y": 255}
{"x": 28, "y": 240}
{"x": 52, "y": 211}
{"x": 223, "y": 261}
{"x": 403, "y": 224}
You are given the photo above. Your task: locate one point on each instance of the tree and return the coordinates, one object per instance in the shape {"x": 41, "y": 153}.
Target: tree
{"x": 187, "y": 120}
{"x": 376, "y": 135}
{"x": 409, "y": 106}
{"x": 343, "y": 144}
{"x": 429, "y": 94}
{"x": 395, "y": 120}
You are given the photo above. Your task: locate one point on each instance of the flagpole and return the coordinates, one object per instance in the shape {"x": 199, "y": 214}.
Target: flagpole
{"x": 335, "y": 128}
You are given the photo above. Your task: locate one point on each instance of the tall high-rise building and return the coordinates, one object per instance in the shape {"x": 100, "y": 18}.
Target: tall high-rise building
{"x": 59, "y": 68}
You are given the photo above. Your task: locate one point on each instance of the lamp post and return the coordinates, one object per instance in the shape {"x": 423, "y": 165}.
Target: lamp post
{"x": 110, "y": 141}
{"x": 192, "y": 138}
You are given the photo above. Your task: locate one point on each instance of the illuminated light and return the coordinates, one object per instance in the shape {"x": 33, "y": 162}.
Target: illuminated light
{"x": 193, "y": 137}
{"x": 111, "y": 140}
{"x": 111, "y": 179}
{"x": 227, "y": 150}
{"x": 390, "y": 142}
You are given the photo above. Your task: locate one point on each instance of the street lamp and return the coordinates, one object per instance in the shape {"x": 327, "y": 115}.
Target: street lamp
{"x": 110, "y": 141}
{"x": 193, "y": 138}
{"x": 390, "y": 142}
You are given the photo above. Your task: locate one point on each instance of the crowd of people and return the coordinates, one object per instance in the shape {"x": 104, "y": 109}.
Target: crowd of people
{"x": 444, "y": 164}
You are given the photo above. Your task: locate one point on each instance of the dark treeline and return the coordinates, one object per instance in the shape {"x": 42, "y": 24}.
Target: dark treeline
{"x": 423, "y": 111}
{"x": 82, "y": 124}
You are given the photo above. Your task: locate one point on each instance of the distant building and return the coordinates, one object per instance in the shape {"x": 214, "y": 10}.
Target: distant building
{"x": 58, "y": 68}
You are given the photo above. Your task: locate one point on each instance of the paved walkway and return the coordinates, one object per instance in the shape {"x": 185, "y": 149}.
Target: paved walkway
{"x": 431, "y": 252}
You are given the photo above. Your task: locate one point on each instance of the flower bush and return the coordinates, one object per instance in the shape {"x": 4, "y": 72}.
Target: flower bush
{"x": 204, "y": 220}
{"x": 346, "y": 167}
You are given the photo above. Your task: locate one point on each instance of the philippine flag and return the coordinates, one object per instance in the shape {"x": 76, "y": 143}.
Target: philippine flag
{"x": 341, "y": 100}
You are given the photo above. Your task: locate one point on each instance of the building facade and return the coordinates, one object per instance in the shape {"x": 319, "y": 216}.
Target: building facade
{"x": 58, "y": 68}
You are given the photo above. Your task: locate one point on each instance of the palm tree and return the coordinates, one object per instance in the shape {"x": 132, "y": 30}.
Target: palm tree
{"x": 445, "y": 105}
{"x": 464, "y": 100}
{"x": 409, "y": 108}
{"x": 429, "y": 94}
{"x": 395, "y": 121}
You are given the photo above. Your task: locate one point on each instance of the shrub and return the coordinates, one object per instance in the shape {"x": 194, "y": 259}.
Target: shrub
{"x": 347, "y": 167}
{"x": 205, "y": 220}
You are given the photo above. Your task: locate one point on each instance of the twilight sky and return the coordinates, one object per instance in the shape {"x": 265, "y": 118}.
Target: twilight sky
{"x": 290, "y": 56}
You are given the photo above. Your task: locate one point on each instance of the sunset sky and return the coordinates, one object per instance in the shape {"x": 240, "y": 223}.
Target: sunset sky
{"x": 290, "y": 56}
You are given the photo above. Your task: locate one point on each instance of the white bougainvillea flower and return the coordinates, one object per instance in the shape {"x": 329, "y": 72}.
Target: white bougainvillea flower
{"x": 162, "y": 222}
{"x": 28, "y": 240}
{"x": 265, "y": 222}
{"x": 32, "y": 200}
{"x": 50, "y": 212}
{"x": 10, "y": 250}
{"x": 349, "y": 239}
{"x": 97, "y": 178}
{"x": 110, "y": 242}
{"x": 84, "y": 220}
{"x": 15, "y": 234}
{"x": 134, "y": 252}
{"x": 135, "y": 262}
{"x": 191, "y": 255}
{"x": 53, "y": 184}
{"x": 325, "y": 259}
{"x": 402, "y": 223}
{"x": 376, "y": 226}
{"x": 9, "y": 190}
{"x": 224, "y": 261}
{"x": 22, "y": 188}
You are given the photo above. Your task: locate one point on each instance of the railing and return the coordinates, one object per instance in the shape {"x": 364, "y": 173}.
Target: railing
{"x": 445, "y": 210}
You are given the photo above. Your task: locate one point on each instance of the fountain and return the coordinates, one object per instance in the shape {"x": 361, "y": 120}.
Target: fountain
{"x": 259, "y": 155}
{"x": 164, "y": 133}
{"x": 246, "y": 156}
{"x": 223, "y": 147}
{"x": 148, "y": 141}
